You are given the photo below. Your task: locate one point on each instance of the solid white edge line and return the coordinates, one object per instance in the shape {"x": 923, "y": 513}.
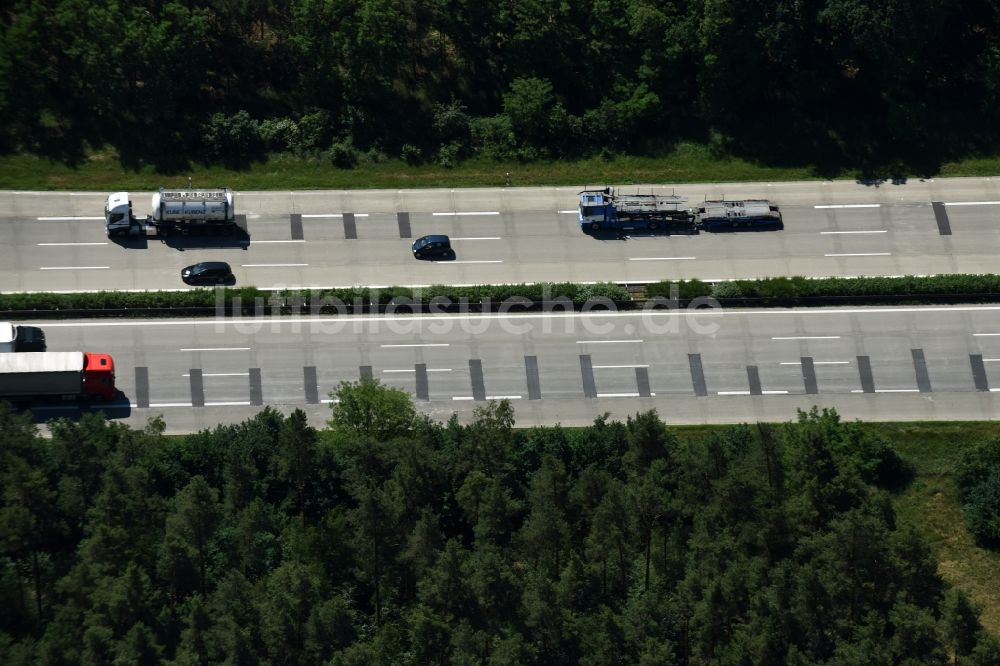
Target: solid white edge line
{"x": 605, "y": 342}
{"x": 624, "y": 395}
{"x": 471, "y": 238}
{"x": 733, "y": 392}
{"x": 635, "y": 365}
{"x": 897, "y": 390}
{"x": 200, "y": 349}
{"x": 774, "y": 392}
{"x": 332, "y": 215}
{"x": 270, "y": 265}
{"x": 227, "y": 404}
{"x": 972, "y": 203}
{"x": 72, "y": 268}
{"x": 859, "y": 254}
{"x": 167, "y": 404}
{"x": 481, "y": 261}
{"x": 568, "y": 212}
{"x": 985, "y": 335}
{"x": 258, "y": 242}
{"x": 66, "y": 244}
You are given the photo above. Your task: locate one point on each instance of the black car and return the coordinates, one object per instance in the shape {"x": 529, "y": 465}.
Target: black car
{"x": 427, "y": 247}
{"x": 30, "y": 339}
{"x": 208, "y": 272}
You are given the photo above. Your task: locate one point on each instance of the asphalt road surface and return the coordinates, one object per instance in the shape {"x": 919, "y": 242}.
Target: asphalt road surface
{"x": 56, "y": 240}
{"x": 907, "y": 363}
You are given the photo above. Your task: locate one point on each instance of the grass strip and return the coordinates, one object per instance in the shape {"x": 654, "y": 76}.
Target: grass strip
{"x": 102, "y": 171}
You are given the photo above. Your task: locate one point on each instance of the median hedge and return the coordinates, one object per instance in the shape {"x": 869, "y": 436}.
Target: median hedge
{"x": 780, "y": 291}
{"x": 872, "y": 289}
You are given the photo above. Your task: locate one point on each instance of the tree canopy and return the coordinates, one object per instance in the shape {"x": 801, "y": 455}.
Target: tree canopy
{"x": 271, "y": 542}
{"x": 833, "y": 82}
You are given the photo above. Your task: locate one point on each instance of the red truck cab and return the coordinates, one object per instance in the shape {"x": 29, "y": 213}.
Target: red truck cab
{"x": 98, "y": 376}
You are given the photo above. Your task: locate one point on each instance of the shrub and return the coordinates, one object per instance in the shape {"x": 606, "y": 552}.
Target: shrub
{"x": 493, "y": 137}
{"x": 976, "y": 465}
{"x": 684, "y": 289}
{"x": 982, "y": 509}
{"x": 280, "y": 134}
{"x": 452, "y": 124}
{"x": 411, "y": 154}
{"x": 608, "y": 290}
{"x": 448, "y": 154}
{"x": 343, "y": 155}
{"x": 231, "y": 138}
{"x": 316, "y": 131}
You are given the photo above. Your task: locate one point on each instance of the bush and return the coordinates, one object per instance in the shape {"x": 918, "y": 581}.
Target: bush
{"x": 343, "y": 155}
{"x": 448, "y": 154}
{"x": 529, "y": 104}
{"x": 316, "y": 131}
{"x": 232, "y": 138}
{"x": 280, "y": 134}
{"x": 411, "y": 154}
{"x": 494, "y": 137}
{"x": 452, "y": 124}
{"x": 603, "y": 290}
{"x": 685, "y": 289}
{"x": 976, "y": 465}
{"x": 982, "y": 510}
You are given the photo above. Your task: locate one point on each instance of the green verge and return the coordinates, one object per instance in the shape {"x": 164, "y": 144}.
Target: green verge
{"x": 768, "y": 292}
{"x": 687, "y": 163}
{"x": 932, "y": 503}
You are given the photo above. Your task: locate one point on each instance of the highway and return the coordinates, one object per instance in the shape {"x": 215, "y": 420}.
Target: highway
{"x": 56, "y": 241}
{"x": 705, "y": 366}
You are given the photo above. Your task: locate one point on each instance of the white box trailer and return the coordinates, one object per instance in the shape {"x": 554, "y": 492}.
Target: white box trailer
{"x": 57, "y": 374}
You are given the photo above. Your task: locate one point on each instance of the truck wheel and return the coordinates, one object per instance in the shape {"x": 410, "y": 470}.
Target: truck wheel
{"x": 595, "y": 226}
{"x": 653, "y": 226}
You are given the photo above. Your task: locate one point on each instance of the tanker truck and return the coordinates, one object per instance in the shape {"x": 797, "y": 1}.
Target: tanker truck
{"x": 172, "y": 211}
{"x": 61, "y": 375}
{"x": 15, "y": 338}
